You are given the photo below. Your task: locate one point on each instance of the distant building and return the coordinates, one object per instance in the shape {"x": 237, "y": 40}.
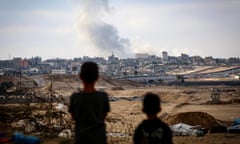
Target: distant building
{"x": 34, "y": 61}
{"x": 112, "y": 59}
{"x": 210, "y": 61}
{"x": 197, "y": 60}
{"x": 75, "y": 67}
{"x": 184, "y": 59}
{"x": 172, "y": 60}
{"x": 23, "y": 63}
{"x": 58, "y": 71}
{"x": 141, "y": 55}
{"x": 45, "y": 67}
{"x": 165, "y": 59}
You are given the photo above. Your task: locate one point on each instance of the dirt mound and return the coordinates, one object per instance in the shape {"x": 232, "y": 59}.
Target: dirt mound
{"x": 104, "y": 80}
{"x": 193, "y": 118}
{"x": 65, "y": 78}
{"x": 108, "y": 81}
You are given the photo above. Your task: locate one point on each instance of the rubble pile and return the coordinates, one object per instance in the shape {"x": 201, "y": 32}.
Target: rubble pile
{"x": 44, "y": 120}
{"x": 193, "y": 118}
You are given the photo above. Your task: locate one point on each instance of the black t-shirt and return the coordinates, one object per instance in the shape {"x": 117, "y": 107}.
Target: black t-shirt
{"x": 152, "y": 132}
{"x": 89, "y": 110}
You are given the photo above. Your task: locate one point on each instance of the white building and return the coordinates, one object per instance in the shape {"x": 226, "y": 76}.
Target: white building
{"x": 58, "y": 71}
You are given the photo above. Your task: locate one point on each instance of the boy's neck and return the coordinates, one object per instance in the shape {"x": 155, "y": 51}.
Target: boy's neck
{"x": 151, "y": 117}
{"x": 89, "y": 87}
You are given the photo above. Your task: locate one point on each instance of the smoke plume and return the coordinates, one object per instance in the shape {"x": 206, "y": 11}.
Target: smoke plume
{"x": 102, "y": 35}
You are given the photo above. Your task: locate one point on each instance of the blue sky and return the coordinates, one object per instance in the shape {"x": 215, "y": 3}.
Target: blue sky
{"x": 72, "y": 28}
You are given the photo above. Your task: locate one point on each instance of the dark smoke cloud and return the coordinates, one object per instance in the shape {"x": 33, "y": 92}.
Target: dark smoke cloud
{"x": 104, "y": 36}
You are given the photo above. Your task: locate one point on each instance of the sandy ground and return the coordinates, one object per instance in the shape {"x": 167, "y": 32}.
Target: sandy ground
{"x": 125, "y": 115}
{"x": 183, "y": 99}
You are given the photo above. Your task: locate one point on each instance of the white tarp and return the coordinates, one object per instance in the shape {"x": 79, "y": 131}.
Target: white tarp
{"x": 182, "y": 129}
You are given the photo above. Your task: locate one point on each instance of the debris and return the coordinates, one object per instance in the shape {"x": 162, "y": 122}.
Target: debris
{"x": 20, "y": 138}
{"x": 182, "y": 129}
{"x": 43, "y": 120}
{"x": 236, "y": 122}
{"x": 234, "y": 129}
{"x": 114, "y": 134}
{"x": 3, "y": 138}
{"x": 65, "y": 133}
{"x": 61, "y": 107}
{"x": 134, "y": 98}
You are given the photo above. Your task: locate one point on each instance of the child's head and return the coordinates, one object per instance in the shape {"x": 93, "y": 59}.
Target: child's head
{"x": 89, "y": 72}
{"x": 151, "y": 104}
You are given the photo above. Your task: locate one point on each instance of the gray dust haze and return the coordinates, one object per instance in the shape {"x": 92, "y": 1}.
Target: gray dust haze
{"x": 102, "y": 35}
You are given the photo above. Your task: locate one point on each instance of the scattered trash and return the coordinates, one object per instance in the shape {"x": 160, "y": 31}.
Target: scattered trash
{"x": 37, "y": 119}
{"x": 182, "y": 129}
{"x": 3, "y": 138}
{"x": 234, "y": 129}
{"x": 134, "y": 98}
{"x": 236, "y": 122}
{"x": 114, "y": 134}
{"x": 20, "y": 138}
{"x": 60, "y": 106}
{"x": 19, "y": 124}
{"x": 65, "y": 133}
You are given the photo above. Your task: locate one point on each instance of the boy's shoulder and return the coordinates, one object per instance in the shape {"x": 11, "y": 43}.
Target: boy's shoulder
{"x": 80, "y": 93}
{"x": 102, "y": 92}
{"x": 157, "y": 122}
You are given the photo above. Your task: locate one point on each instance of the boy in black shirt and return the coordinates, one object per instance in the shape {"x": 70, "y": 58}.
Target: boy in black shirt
{"x": 152, "y": 130}
{"x": 89, "y": 108}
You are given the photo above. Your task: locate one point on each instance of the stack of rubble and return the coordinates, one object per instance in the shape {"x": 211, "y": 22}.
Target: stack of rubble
{"x": 39, "y": 120}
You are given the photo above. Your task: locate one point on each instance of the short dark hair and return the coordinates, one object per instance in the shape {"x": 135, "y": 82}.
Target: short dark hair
{"x": 151, "y": 103}
{"x": 89, "y": 72}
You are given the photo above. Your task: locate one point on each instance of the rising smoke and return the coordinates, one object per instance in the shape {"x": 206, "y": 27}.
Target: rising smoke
{"x": 102, "y": 35}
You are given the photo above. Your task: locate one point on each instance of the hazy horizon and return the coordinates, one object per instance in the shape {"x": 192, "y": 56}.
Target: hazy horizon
{"x": 69, "y": 28}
